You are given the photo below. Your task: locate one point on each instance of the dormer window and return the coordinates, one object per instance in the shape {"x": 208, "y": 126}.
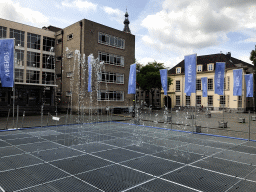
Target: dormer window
{"x": 210, "y": 67}
{"x": 199, "y": 68}
{"x": 178, "y": 70}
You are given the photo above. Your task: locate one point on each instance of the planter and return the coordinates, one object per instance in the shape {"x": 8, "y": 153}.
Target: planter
{"x": 198, "y": 129}
{"x": 253, "y": 118}
{"x": 223, "y": 124}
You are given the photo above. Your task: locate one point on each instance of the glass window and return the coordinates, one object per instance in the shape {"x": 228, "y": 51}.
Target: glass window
{"x": 177, "y": 100}
{"x": 33, "y": 41}
{"x": 68, "y": 93}
{"x": 48, "y": 44}
{"x": 69, "y": 74}
{"x": 199, "y": 68}
{"x": 48, "y": 78}
{"x": 120, "y": 78}
{"x": 19, "y": 57}
{"x": 48, "y": 61}
{"x": 110, "y": 95}
{"x": 210, "y": 84}
{"x": 19, "y": 37}
{"x": 70, "y": 36}
{"x": 177, "y": 85}
{"x": 3, "y": 32}
{"x": 198, "y": 84}
{"x": 111, "y": 40}
{"x": 210, "y": 67}
{"x": 19, "y": 75}
{"x": 187, "y": 100}
{"x": 210, "y": 100}
{"x": 226, "y": 87}
{"x": 178, "y": 70}
{"x": 222, "y": 100}
{"x": 198, "y": 100}
{"x": 32, "y": 76}
{"x": 33, "y": 59}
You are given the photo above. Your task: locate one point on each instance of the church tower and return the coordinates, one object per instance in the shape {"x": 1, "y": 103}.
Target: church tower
{"x": 126, "y": 23}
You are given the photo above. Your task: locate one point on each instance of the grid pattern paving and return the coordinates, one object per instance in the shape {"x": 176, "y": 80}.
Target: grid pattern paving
{"x": 123, "y": 157}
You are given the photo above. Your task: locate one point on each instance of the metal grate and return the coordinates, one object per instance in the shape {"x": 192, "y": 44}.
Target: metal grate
{"x": 92, "y": 147}
{"x": 152, "y": 165}
{"x": 114, "y": 178}
{"x": 118, "y": 155}
{"x": 145, "y": 148}
{"x": 9, "y": 150}
{"x": 31, "y": 147}
{"x": 201, "y": 179}
{"x": 29, "y": 176}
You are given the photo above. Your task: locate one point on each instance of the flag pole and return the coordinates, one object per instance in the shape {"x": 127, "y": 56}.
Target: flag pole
{"x": 13, "y": 88}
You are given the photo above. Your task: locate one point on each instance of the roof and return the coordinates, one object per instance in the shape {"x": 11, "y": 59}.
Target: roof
{"x": 52, "y": 28}
{"x": 206, "y": 59}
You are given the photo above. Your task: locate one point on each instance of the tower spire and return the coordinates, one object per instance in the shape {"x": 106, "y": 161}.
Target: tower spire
{"x": 126, "y": 23}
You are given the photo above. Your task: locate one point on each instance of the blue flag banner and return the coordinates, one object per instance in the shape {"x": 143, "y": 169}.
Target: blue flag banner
{"x": 219, "y": 78}
{"x": 249, "y": 84}
{"x": 132, "y": 80}
{"x": 89, "y": 74}
{"x": 237, "y": 82}
{"x": 204, "y": 86}
{"x": 7, "y": 62}
{"x": 163, "y": 74}
{"x": 190, "y": 74}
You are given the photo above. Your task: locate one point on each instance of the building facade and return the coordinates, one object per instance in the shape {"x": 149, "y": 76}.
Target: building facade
{"x": 206, "y": 68}
{"x": 113, "y": 52}
{"x": 34, "y": 67}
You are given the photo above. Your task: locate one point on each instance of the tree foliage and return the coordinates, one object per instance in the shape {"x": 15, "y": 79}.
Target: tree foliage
{"x": 253, "y": 59}
{"x": 149, "y": 78}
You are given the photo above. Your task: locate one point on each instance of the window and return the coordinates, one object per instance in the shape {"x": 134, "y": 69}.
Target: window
{"x": 33, "y": 59}
{"x": 19, "y": 37}
{"x": 48, "y": 78}
{"x": 33, "y": 41}
{"x": 19, "y": 75}
{"x": 177, "y": 85}
{"x": 48, "y": 61}
{"x": 240, "y": 103}
{"x": 111, "y": 40}
{"x": 222, "y": 100}
{"x": 210, "y": 67}
{"x": 199, "y": 68}
{"x": 210, "y": 84}
{"x": 48, "y": 44}
{"x": 178, "y": 70}
{"x": 177, "y": 100}
{"x": 32, "y": 76}
{"x": 111, "y": 59}
{"x": 198, "y": 84}
{"x": 198, "y": 99}
{"x": 3, "y": 32}
{"x": 119, "y": 78}
{"x": 111, "y": 77}
{"x": 69, "y": 55}
{"x": 19, "y": 54}
{"x": 210, "y": 100}
{"x": 141, "y": 93}
{"x": 226, "y": 87}
{"x": 69, "y": 74}
{"x": 187, "y": 100}
{"x": 110, "y": 95}
{"x": 59, "y": 41}
{"x": 70, "y": 36}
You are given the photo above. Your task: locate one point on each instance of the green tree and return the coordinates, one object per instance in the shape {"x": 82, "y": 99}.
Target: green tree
{"x": 148, "y": 77}
{"x": 253, "y": 59}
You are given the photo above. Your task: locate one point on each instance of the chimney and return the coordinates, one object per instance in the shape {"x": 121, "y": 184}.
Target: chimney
{"x": 228, "y": 55}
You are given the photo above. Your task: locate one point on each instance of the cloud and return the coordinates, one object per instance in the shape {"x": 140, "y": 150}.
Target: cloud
{"x": 115, "y": 14}
{"x": 197, "y": 24}
{"x": 14, "y": 11}
{"x": 80, "y": 5}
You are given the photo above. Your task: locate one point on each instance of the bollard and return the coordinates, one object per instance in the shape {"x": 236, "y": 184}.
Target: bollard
{"x": 249, "y": 132}
{"x": 23, "y": 119}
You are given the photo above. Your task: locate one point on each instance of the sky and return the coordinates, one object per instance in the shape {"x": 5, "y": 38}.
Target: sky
{"x": 165, "y": 30}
